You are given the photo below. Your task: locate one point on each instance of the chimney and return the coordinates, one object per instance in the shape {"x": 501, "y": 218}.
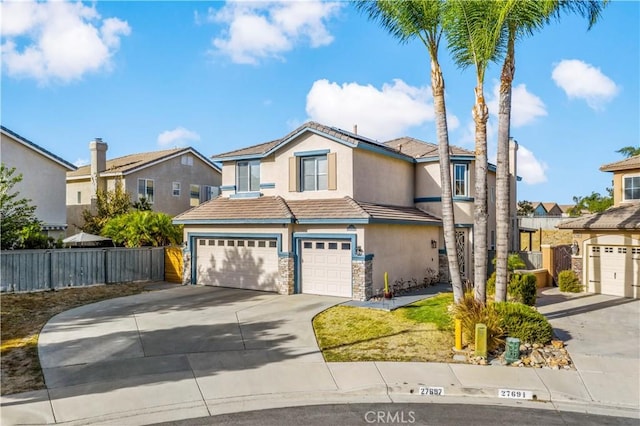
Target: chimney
{"x": 98, "y": 164}
{"x": 355, "y": 129}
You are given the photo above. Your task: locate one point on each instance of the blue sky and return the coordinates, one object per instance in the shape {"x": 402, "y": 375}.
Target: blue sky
{"x": 218, "y": 76}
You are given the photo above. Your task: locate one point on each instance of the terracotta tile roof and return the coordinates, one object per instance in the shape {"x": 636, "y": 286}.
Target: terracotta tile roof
{"x": 275, "y": 208}
{"x": 244, "y": 209}
{"x": 343, "y": 135}
{"x": 124, "y": 164}
{"x": 419, "y": 149}
{"x": 626, "y": 164}
{"x": 626, "y": 216}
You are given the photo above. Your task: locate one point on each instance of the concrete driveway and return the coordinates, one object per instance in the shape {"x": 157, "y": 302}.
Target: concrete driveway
{"x": 602, "y": 334}
{"x": 178, "y": 348}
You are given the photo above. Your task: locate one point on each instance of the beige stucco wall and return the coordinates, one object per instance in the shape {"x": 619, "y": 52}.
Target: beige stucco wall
{"x": 382, "y": 179}
{"x": 43, "y": 180}
{"x": 618, "y": 195}
{"x": 403, "y": 251}
{"x": 283, "y": 231}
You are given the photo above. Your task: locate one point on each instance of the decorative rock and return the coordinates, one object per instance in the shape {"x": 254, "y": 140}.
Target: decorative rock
{"x": 536, "y": 357}
{"x": 460, "y": 357}
{"x": 557, "y": 344}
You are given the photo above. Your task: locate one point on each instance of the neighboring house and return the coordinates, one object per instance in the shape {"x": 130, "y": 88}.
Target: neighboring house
{"x": 608, "y": 261}
{"x": 326, "y": 211}
{"x": 566, "y": 208}
{"x": 546, "y": 209}
{"x": 171, "y": 180}
{"x": 43, "y": 179}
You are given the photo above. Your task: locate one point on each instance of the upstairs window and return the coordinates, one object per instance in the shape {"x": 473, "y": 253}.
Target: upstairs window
{"x": 248, "y": 176}
{"x": 631, "y": 188}
{"x": 460, "y": 180}
{"x": 194, "y": 195}
{"x": 145, "y": 189}
{"x": 314, "y": 173}
{"x": 187, "y": 160}
{"x": 175, "y": 189}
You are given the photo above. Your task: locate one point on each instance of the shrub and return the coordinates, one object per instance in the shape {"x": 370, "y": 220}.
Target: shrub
{"x": 491, "y": 284}
{"x": 568, "y": 281}
{"x": 472, "y": 312}
{"x": 524, "y": 322}
{"x": 523, "y": 288}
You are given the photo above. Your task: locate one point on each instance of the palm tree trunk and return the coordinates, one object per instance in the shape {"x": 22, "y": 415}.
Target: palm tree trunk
{"x": 448, "y": 219}
{"x": 503, "y": 195}
{"x": 480, "y": 219}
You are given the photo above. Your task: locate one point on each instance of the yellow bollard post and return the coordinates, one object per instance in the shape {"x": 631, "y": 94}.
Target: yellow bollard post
{"x": 458, "y": 323}
{"x": 481, "y": 340}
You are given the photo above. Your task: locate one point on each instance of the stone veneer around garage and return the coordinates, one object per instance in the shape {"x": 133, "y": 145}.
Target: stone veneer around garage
{"x": 286, "y": 275}
{"x": 362, "y": 271}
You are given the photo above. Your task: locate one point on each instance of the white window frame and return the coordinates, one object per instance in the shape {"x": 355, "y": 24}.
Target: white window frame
{"x": 187, "y": 160}
{"x": 175, "y": 189}
{"x": 465, "y": 181}
{"x": 147, "y": 192}
{"x": 633, "y": 188}
{"x": 319, "y": 184}
{"x": 246, "y": 179}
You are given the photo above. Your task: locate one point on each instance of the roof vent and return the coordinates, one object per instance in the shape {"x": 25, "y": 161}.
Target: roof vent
{"x": 355, "y": 129}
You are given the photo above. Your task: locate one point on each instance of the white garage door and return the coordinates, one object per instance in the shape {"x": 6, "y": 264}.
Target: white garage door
{"x": 326, "y": 267}
{"x": 614, "y": 270}
{"x": 238, "y": 263}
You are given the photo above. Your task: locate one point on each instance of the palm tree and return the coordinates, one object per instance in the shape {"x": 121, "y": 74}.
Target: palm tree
{"x": 520, "y": 18}
{"x": 422, "y": 19}
{"x": 475, "y": 37}
{"x": 629, "y": 151}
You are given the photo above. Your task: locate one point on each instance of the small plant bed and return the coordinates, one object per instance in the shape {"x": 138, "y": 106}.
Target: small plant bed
{"x": 552, "y": 356}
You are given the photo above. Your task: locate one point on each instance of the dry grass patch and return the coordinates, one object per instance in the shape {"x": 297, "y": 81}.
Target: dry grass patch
{"x": 22, "y": 316}
{"x": 418, "y": 332}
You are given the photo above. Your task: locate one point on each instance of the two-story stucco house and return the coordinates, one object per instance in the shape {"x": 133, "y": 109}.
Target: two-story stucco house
{"x": 172, "y": 180}
{"x": 608, "y": 261}
{"x": 327, "y": 211}
{"x": 43, "y": 179}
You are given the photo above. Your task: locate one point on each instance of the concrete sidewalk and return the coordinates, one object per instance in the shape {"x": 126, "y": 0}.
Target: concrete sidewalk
{"x": 196, "y": 351}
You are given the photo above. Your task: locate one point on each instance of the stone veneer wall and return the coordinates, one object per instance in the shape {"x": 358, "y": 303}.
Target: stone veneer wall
{"x": 285, "y": 275}
{"x": 576, "y": 265}
{"x": 186, "y": 267}
{"x": 443, "y": 268}
{"x": 362, "y": 271}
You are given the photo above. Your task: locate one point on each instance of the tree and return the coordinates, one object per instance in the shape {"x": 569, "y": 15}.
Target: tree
{"x": 594, "y": 203}
{"x": 109, "y": 204}
{"x": 520, "y": 18}
{"x": 143, "y": 228}
{"x": 408, "y": 20}
{"x": 475, "y": 35}
{"x": 16, "y": 213}
{"x": 629, "y": 151}
{"x": 525, "y": 208}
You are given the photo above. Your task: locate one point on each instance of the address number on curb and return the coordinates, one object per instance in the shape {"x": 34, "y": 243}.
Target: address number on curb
{"x": 431, "y": 390}
{"x": 515, "y": 394}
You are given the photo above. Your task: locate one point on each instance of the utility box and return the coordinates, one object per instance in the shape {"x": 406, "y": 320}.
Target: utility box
{"x": 481, "y": 340}
{"x": 512, "y": 350}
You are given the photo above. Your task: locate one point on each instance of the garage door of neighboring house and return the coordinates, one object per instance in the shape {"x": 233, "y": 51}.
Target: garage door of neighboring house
{"x": 237, "y": 262}
{"x": 326, "y": 267}
{"x": 614, "y": 270}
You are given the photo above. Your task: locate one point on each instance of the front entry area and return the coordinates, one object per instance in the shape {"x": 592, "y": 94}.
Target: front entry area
{"x": 325, "y": 267}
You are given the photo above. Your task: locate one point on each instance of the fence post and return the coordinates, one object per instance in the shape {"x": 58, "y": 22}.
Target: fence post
{"x": 547, "y": 262}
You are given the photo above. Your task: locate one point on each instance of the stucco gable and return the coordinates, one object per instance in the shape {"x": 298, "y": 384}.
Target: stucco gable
{"x": 36, "y": 148}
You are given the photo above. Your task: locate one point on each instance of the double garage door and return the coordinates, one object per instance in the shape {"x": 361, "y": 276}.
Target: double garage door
{"x": 614, "y": 270}
{"x": 325, "y": 265}
{"x": 237, "y": 262}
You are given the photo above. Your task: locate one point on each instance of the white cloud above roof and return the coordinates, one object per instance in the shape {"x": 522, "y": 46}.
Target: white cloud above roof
{"x": 581, "y": 80}
{"x": 380, "y": 114}
{"x": 177, "y": 137}
{"x": 531, "y": 169}
{"x": 525, "y": 106}
{"x": 57, "y": 41}
{"x": 267, "y": 29}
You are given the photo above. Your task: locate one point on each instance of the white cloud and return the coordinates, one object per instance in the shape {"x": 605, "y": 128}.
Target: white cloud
{"x": 267, "y": 29}
{"x": 531, "y": 169}
{"x": 583, "y": 81}
{"x": 381, "y": 114}
{"x": 177, "y": 137}
{"x": 81, "y": 162}
{"x": 525, "y": 106}
{"x": 57, "y": 41}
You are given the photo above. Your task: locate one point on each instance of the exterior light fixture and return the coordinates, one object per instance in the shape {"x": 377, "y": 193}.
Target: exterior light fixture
{"x": 434, "y": 244}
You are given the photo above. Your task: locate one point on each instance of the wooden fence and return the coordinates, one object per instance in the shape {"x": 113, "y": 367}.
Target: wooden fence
{"x": 34, "y": 270}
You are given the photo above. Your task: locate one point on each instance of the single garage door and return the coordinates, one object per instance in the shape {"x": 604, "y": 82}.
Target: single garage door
{"x": 238, "y": 263}
{"x": 326, "y": 267}
{"x": 614, "y": 270}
